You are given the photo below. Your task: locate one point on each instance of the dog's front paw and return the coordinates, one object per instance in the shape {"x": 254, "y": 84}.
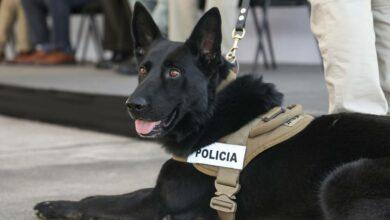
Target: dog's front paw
{"x": 58, "y": 210}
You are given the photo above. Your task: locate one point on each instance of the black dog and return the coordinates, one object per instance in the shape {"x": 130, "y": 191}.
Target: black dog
{"x": 337, "y": 168}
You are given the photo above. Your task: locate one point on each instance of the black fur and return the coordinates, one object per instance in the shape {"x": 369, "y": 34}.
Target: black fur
{"x": 357, "y": 190}
{"x": 247, "y": 97}
{"x": 337, "y": 168}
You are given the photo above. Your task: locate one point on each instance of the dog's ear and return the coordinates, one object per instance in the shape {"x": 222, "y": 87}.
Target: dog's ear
{"x": 206, "y": 38}
{"x": 144, "y": 29}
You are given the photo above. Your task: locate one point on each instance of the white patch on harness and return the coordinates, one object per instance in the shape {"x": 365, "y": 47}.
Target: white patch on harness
{"x": 221, "y": 155}
{"x": 293, "y": 121}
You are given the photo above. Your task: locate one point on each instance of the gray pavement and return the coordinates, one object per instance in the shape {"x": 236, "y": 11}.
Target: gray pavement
{"x": 43, "y": 162}
{"x": 301, "y": 85}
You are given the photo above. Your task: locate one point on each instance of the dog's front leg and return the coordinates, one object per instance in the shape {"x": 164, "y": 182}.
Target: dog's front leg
{"x": 185, "y": 192}
{"x": 181, "y": 192}
{"x": 141, "y": 204}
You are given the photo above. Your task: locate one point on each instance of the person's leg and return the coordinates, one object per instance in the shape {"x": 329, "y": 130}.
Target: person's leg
{"x": 22, "y": 37}
{"x": 123, "y": 22}
{"x": 110, "y": 27}
{"x": 229, "y": 13}
{"x": 381, "y": 11}
{"x": 7, "y": 18}
{"x": 61, "y": 52}
{"x": 182, "y": 18}
{"x": 345, "y": 32}
{"x": 117, "y": 32}
{"x": 59, "y": 10}
{"x": 36, "y": 12}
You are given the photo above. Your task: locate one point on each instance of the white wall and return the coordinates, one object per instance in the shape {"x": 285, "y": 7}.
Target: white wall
{"x": 290, "y": 27}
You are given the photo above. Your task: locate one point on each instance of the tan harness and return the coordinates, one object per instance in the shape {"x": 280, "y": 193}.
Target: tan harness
{"x": 262, "y": 133}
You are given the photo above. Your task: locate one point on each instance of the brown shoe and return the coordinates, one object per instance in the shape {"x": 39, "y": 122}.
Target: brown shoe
{"x": 2, "y": 57}
{"x": 56, "y": 58}
{"x": 29, "y": 57}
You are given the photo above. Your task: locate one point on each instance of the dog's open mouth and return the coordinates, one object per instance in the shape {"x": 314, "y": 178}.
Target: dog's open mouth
{"x": 152, "y": 129}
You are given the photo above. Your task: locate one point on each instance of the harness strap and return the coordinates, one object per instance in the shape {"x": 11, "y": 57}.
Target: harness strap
{"x": 232, "y": 75}
{"x": 179, "y": 159}
{"x": 262, "y": 133}
{"x": 227, "y": 185}
{"x": 271, "y": 120}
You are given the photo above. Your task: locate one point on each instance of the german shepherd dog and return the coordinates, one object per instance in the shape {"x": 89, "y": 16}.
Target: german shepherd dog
{"x": 336, "y": 168}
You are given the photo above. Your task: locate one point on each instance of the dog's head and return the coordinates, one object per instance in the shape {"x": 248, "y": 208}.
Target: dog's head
{"x": 175, "y": 79}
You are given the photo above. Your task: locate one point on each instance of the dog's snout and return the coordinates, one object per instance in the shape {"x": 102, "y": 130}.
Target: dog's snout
{"x": 136, "y": 104}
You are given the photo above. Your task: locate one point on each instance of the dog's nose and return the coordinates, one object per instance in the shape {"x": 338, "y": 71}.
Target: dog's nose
{"x": 136, "y": 104}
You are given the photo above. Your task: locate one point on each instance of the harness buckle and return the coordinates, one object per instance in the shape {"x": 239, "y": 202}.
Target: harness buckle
{"x": 223, "y": 201}
{"x": 227, "y": 190}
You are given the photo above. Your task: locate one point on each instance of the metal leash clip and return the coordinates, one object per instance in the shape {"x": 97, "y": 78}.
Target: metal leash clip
{"x": 237, "y": 36}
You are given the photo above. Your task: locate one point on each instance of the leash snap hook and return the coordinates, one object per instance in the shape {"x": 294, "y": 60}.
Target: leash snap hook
{"x": 237, "y": 35}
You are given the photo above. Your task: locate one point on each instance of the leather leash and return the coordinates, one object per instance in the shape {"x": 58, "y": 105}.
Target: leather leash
{"x": 238, "y": 32}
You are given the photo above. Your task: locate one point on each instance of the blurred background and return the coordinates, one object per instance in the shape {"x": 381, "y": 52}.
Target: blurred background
{"x": 288, "y": 20}
{"x": 66, "y": 68}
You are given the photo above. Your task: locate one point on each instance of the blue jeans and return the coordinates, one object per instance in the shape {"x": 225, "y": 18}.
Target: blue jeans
{"x": 59, "y": 10}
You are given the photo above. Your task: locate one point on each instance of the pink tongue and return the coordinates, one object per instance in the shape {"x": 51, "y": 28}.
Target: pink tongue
{"x": 145, "y": 127}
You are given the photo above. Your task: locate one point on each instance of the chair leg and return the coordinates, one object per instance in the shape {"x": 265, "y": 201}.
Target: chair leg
{"x": 86, "y": 42}
{"x": 268, "y": 33}
{"x": 80, "y": 35}
{"x": 260, "y": 44}
{"x": 96, "y": 36}
{"x": 12, "y": 44}
{"x": 259, "y": 48}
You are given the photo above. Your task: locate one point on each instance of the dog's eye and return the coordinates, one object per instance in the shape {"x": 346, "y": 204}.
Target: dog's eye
{"x": 142, "y": 71}
{"x": 174, "y": 73}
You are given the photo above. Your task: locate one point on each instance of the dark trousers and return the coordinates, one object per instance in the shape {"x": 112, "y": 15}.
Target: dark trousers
{"x": 117, "y": 26}
{"x": 60, "y": 10}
